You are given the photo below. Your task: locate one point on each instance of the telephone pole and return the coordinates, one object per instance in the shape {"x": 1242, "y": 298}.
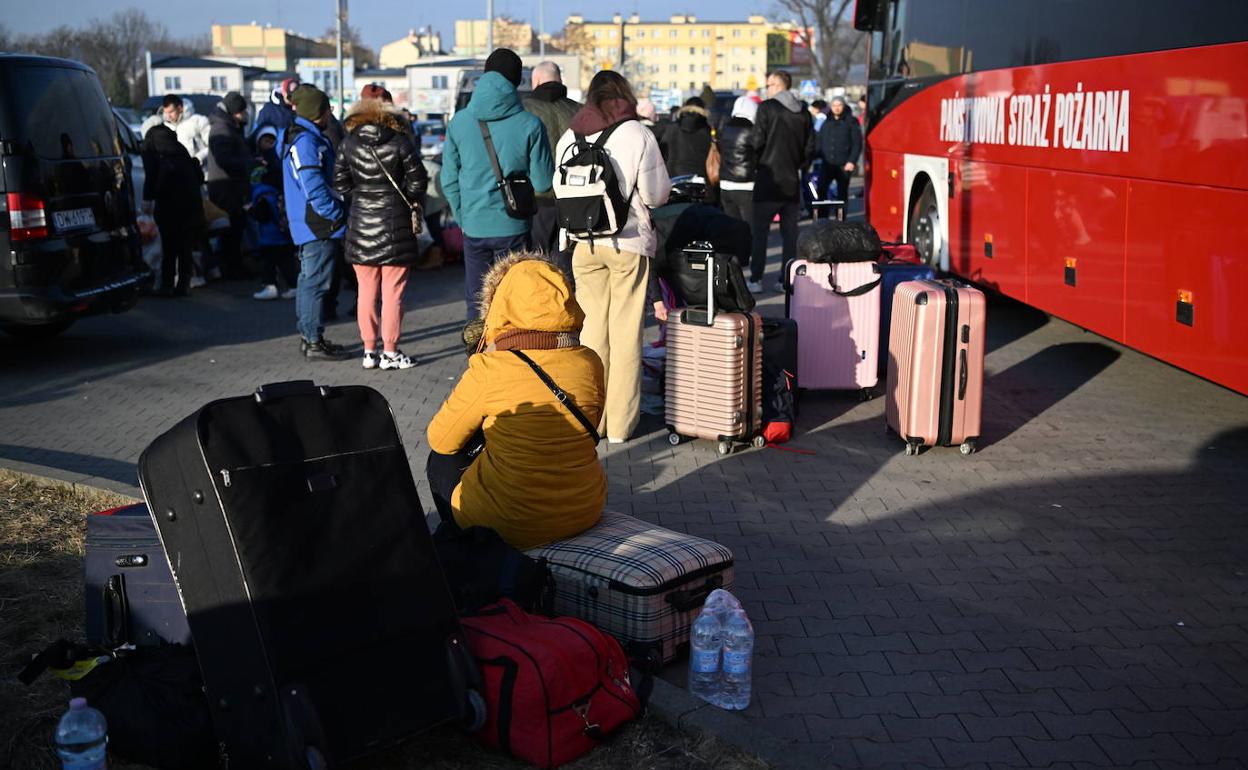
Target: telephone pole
{"x": 489, "y": 22}
{"x": 342, "y": 96}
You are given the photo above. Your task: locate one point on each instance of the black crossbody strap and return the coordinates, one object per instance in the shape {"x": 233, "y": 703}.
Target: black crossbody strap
{"x": 561, "y": 396}
{"x": 489, "y": 149}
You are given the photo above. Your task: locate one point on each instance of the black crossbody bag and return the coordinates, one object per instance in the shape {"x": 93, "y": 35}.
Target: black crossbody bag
{"x": 562, "y": 396}
{"x": 518, "y": 196}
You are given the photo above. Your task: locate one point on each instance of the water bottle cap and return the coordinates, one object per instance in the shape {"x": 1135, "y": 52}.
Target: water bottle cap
{"x": 77, "y": 704}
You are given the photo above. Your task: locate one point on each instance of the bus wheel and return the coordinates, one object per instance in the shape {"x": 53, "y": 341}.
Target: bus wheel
{"x": 924, "y": 227}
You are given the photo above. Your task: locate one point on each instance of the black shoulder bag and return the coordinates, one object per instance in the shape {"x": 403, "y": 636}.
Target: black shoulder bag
{"x": 517, "y": 189}
{"x": 562, "y": 396}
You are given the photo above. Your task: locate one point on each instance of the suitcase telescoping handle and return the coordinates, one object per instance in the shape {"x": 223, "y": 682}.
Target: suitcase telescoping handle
{"x": 279, "y": 390}
{"x": 693, "y": 598}
{"x": 700, "y": 255}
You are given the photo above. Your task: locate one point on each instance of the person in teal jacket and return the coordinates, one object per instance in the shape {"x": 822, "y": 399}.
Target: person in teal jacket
{"x": 468, "y": 181}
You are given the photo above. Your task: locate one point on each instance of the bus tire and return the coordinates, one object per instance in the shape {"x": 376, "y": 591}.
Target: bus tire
{"x": 924, "y": 227}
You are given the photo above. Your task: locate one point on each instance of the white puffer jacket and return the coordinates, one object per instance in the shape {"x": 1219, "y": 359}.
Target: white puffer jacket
{"x": 192, "y": 130}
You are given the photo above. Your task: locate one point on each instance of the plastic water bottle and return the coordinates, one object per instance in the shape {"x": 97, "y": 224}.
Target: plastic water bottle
{"x": 82, "y": 737}
{"x": 721, "y": 602}
{"x": 705, "y": 643}
{"x": 738, "y": 661}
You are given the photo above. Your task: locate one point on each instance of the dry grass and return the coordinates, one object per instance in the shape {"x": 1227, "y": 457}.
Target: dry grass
{"x": 41, "y": 543}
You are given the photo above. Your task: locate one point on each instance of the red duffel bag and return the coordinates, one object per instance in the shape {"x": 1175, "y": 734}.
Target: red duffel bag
{"x": 555, "y": 688}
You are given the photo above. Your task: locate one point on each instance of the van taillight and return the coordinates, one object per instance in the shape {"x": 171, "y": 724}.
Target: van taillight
{"x": 27, "y": 217}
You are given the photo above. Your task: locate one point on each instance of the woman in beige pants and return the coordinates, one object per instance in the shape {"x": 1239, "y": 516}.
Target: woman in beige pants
{"x": 612, "y": 272}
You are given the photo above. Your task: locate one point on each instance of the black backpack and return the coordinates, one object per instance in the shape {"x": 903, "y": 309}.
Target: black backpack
{"x": 588, "y": 196}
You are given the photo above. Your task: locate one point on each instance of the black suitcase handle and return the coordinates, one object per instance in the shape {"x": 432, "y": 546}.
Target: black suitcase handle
{"x": 692, "y": 598}
{"x": 278, "y": 390}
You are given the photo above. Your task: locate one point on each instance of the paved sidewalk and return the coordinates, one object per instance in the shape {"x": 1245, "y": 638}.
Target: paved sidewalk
{"x": 1075, "y": 594}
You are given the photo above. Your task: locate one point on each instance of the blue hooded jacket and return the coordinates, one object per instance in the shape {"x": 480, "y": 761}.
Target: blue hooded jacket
{"x": 312, "y": 209}
{"x": 266, "y": 212}
{"x": 468, "y": 180}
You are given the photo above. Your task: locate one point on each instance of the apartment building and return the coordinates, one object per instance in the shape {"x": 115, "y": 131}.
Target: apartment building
{"x": 271, "y": 48}
{"x": 472, "y": 36}
{"x": 682, "y": 53}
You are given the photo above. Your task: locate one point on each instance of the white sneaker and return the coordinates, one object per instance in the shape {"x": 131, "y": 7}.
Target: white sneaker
{"x": 396, "y": 360}
{"x": 289, "y": 293}
{"x": 755, "y": 287}
{"x": 268, "y": 292}
{"x": 614, "y": 440}
{"x": 370, "y": 359}
{"x": 197, "y": 281}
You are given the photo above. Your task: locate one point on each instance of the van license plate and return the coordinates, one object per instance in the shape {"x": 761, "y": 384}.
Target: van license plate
{"x": 73, "y": 219}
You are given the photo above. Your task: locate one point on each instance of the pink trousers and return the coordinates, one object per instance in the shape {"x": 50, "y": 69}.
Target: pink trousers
{"x": 385, "y": 284}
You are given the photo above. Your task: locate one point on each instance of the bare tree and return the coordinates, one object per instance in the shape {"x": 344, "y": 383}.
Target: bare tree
{"x": 826, "y": 29}
{"x": 352, "y": 45}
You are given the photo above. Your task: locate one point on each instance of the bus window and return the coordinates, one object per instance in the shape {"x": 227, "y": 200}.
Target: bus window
{"x": 934, "y": 46}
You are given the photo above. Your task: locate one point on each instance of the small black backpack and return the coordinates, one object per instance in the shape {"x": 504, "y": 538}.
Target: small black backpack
{"x": 588, "y": 196}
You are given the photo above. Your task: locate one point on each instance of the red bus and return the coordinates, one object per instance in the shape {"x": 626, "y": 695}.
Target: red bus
{"x": 1088, "y": 157}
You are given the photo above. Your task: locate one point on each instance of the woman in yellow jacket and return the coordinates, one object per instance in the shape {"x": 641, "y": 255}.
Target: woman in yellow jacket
{"x": 538, "y": 477}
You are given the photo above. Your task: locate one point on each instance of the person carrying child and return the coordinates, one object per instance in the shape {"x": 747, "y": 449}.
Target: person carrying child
{"x": 538, "y": 477}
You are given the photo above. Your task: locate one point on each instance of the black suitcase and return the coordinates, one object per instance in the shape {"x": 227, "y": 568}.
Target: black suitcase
{"x": 130, "y": 595}
{"x": 322, "y": 622}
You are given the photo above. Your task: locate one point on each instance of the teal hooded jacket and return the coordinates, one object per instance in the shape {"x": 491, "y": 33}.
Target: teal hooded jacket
{"x": 468, "y": 180}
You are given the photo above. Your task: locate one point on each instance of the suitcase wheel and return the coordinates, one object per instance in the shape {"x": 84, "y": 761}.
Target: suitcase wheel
{"x": 913, "y": 447}
{"x": 723, "y": 448}
{"x": 674, "y": 439}
{"x": 866, "y": 394}
{"x": 759, "y": 442}
{"x": 968, "y": 447}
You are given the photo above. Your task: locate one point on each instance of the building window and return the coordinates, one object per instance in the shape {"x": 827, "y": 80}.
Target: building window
{"x": 692, "y": 85}
{"x": 736, "y": 84}
{"x": 693, "y": 51}
{"x": 706, "y": 68}
{"x": 675, "y": 33}
{"x": 673, "y": 50}
{"x": 753, "y": 33}
{"x": 736, "y": 33}
{"x": 440, "y": 81}
{"x": 736, "y": 50}
{"x": 673, "y": 68}
{"x": 693, "y": 68}
{"x": 706, "y": 33}
{"x": 218, "y": 83}
{"x": 706, "y": 52}
{"x": 611, "y": 34}
{"x": 173, "y": 83}
{"x": 673, "y": 82}
{"x": 641, "y": 34}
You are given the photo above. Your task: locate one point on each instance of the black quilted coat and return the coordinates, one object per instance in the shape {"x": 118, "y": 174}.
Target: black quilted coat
{"x": 379, "y": 226}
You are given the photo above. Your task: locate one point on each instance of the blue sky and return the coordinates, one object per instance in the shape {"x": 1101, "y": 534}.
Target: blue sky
{"x": 380, "y": 21}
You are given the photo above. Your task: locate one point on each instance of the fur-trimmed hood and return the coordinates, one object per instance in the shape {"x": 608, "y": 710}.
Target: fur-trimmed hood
{"x": 692, "y": 118}
{"x": 373, "y": 121}
{"x": 527, "y": 291}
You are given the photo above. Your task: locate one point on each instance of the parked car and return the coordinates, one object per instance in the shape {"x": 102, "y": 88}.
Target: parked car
{"x": 432, "y": 135}
{"x": 67, "y": 212}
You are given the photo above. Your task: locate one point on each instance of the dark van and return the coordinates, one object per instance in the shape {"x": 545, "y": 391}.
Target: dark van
{"x": 69, "y": 244}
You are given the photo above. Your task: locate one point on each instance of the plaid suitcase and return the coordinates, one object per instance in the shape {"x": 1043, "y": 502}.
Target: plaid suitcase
{"x": 637, "y": 581}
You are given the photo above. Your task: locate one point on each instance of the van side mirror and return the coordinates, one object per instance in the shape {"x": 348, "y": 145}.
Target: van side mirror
{"x": 869, "y": 15}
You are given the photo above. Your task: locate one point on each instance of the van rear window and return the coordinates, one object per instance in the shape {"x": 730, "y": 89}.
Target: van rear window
{"x": 59, "y": 112}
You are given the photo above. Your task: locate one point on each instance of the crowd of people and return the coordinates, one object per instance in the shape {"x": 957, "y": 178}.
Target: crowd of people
{"x": 356, "y": 200}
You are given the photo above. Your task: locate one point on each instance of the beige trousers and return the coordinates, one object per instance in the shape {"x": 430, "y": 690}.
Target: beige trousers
{"x": 611, "y": 289}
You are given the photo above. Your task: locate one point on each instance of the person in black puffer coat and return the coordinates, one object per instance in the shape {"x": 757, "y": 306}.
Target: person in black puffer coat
{"x": 840, "y": 142}
{"x": 687, "y": 140}
{"x": 380, "y": 244}
{"x": 737, "y": 161}
{"x": 171, "y": 192}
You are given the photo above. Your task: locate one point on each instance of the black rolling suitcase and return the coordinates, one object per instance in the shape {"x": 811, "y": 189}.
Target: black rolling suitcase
{"x": 322, "y": 621}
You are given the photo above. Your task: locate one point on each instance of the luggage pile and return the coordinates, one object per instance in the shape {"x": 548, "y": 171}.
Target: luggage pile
{"x": 239, "y": 616}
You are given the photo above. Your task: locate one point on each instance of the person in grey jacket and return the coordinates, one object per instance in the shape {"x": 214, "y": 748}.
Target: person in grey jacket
{"x": 227, "y": 173}
{"x": 549, "y": 102}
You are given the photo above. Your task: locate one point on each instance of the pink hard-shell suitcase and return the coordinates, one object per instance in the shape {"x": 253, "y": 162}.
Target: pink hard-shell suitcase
{"x": 936, "y": 364}
{"x": 837, "y": 308}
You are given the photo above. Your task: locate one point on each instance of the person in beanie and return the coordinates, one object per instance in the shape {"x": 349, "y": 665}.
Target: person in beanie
{"x": 783, "y": 139}
{"x": 550, "y": 103}
{"x": 379, "y": 170}
{"x": 228, "y": 175}
{"x": 316, "y": 217}
{"x": 737, "y": 161}
{"x": 277, "y": 112}
{"x": 840, "y": 142}
{"x": 468, "y": 179}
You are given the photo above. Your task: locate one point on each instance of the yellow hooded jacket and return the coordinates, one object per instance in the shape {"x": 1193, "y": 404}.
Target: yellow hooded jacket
{"x": 539, "y": 478}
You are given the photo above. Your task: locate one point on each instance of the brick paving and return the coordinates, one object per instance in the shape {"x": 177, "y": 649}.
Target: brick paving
{"x": 1073, "y": 595}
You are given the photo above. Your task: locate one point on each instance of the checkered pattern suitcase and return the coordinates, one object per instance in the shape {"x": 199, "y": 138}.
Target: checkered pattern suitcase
{"x": 638, "y": 582}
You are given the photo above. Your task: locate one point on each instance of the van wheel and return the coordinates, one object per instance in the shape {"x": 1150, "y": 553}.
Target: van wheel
{"x": 36, "y": 333}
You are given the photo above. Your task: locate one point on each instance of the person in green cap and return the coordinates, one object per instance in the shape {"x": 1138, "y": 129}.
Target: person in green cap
{"x": 316, "y": 215}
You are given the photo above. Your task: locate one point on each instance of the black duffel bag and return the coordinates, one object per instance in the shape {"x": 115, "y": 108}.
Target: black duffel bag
{"x": 832, "y": 241}
{"x": 482, "y": 568}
